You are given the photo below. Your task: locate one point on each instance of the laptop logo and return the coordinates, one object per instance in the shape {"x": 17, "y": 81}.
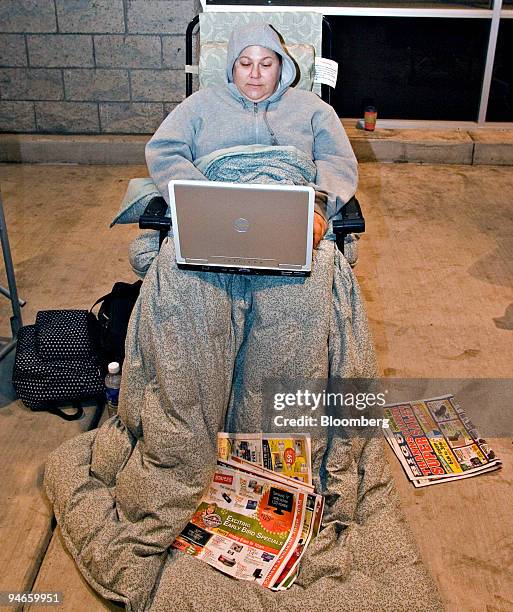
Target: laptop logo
{"x": 241, "y": 224}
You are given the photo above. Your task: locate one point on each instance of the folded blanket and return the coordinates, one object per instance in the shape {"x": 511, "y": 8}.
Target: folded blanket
{"x": 140, "y": 191}
{"x": 258, "y": 164}
{"x": 244, "y": 164}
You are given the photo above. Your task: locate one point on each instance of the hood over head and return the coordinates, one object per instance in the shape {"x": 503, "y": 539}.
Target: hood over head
{"x": 262, "y": 35}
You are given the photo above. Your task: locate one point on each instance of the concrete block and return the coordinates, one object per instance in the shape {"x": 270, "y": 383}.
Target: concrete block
{"x": 96, "y": 84}
{"x": 159, "y": 16}
{"x": 72, "y": 149}
{"x": 396, "y": 151}
{"x": 130, "y": 118}
{"x": 67, "y": 117}
{"x": 168, "y": 107}
{"x": 493, "y": 147}
{"x": 114, "y": 51}
{"x": 442, "y": 153}
{"x": 90, "y": 16}
{"x": 173, "y": 52}
{"x": 378, "y": 150}
{"x": 17, "y": 117}
{"x": 13, "y": 51}
{"x": 27, "y": 16}
{"x": 493, "y": 154}
{"x": 31, "y": 84}
{"x": 410, "y": 145}
{"x": 61, "y": 51}
{"x": 158, "y": 85}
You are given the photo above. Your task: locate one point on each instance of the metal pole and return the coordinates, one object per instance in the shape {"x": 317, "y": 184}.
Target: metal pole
{"x": 16, "y": 321}
{"x": 188, "y": 54}
{"x": 5, "y": 292}
{"x": 490, "y": 58}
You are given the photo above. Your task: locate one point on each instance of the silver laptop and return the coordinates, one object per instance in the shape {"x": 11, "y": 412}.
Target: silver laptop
{"x": 245, "y": 228}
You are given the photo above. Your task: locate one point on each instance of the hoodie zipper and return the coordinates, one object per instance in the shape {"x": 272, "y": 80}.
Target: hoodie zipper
{"x": 274, "y": 140}
{"x": 255, "y": 115}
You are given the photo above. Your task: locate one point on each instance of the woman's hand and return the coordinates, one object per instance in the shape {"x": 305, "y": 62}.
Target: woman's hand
{"x": 319, "y": 229}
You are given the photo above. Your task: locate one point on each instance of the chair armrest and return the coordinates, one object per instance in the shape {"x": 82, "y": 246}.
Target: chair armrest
{"x": 351, "y": 221}
{"x": 154, "y": 215}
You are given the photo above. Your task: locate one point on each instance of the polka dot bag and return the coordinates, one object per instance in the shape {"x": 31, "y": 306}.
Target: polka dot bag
{"x": 56, "y": 361}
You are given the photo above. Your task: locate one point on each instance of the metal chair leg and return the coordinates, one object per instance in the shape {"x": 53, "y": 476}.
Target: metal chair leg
{"x": 12, "y": 293}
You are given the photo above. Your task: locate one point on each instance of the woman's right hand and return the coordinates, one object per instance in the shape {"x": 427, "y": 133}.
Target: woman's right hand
{"x": 320, "y": 226}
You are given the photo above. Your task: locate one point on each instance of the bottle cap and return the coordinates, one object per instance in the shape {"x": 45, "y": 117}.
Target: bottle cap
{"x": 113, "y": 367}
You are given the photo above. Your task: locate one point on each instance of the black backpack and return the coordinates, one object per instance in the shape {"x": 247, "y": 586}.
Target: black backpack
{"x": 113, "y": 317}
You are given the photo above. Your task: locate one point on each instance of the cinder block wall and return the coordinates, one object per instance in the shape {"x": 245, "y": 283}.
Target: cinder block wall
{"x": 91, "y": 66}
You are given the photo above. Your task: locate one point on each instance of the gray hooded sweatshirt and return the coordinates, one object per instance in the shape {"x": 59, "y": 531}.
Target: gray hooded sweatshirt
{"x": 219, "y": 117}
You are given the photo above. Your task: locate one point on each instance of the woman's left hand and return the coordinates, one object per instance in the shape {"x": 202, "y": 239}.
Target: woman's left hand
{"x": 320, "y": 227}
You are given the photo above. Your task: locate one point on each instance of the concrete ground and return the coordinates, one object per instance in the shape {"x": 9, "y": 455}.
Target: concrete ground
{"x": 436, "y": 268}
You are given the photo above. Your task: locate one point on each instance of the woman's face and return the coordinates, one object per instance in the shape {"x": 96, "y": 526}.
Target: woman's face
{"x": 256, "y": 72}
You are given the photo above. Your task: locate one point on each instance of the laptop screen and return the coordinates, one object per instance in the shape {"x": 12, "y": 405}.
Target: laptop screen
{"x": 228, "y": 224}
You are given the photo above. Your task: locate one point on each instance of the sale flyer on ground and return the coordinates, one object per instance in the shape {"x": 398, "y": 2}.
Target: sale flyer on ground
{"x": 436, "y": 442}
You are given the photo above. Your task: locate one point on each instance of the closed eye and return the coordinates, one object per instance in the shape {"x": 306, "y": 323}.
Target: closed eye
{"x": 248, "y": 64}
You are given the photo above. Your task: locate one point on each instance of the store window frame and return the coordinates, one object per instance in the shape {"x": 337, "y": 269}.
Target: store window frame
{"x": 493, "y": 15}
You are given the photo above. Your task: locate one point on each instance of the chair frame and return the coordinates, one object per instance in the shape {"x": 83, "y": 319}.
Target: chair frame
{"x": 12, "y": 292}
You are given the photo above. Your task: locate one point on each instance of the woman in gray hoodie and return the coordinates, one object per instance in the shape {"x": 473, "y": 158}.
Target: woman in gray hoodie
{"x": 231, "y": 332}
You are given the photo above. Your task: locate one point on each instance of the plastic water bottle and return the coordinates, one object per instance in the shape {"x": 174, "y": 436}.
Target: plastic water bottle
{"x": 112, "y": 383}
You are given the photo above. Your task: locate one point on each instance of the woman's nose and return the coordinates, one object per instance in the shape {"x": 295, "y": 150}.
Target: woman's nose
{"x": 255, "y": 71}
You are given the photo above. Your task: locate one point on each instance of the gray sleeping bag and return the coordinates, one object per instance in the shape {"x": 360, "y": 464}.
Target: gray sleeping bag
{"x": 121, "y": 493}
